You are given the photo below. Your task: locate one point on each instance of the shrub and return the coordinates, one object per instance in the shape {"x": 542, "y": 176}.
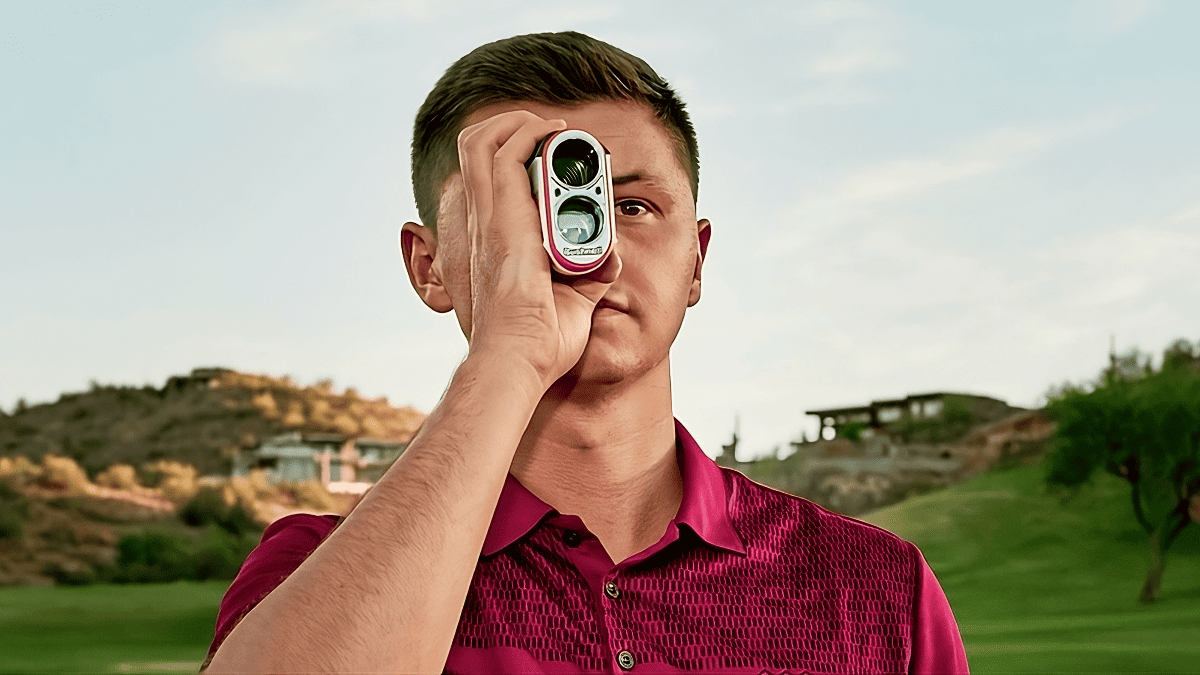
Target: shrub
{"x": 205, "y": 507}
{"x": 66, "y": 471}
{"x": 152, "y": 556}
{"x": 220, "y": 554}
{"x": 239, "y": 520}
{"x": 312, "y": 494}
{"x": 13, "y": 510}
{"x": 18, "y": 465}
{"x": 120, "y": 477}
{"x": 175, "y": 480}
{"x": 157, "y": 556}
{"x": 209, "y": 507}
{"x": 346, "y": 425}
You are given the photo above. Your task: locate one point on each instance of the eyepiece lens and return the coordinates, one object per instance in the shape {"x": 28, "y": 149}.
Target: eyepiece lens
{"x": 579, "y": 220}
{"x": 575, "y": 162}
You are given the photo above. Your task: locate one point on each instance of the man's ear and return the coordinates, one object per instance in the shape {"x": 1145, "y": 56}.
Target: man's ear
{"x": 703, "y": 231}
{"x": 418, "y": 247}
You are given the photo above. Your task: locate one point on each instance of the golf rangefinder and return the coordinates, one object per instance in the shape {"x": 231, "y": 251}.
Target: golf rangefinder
{"x": 571, "y": 175}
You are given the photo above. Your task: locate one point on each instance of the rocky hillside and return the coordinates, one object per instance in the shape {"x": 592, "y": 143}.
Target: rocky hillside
{"x": 198, "y": 419}
{"x": 59, "y": 526}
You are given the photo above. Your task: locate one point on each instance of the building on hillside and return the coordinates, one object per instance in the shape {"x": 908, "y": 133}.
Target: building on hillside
{"x": 1021, "y": 437}
{"x": 341, "y": 464}
{"x": 375, "y": 455}
{"x": 933, "y": 417}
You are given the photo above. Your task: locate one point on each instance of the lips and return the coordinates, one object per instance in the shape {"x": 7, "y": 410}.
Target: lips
{"x": 605, "y": 303}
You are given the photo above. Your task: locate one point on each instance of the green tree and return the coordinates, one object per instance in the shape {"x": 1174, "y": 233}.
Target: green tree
{"x": 1143, "y": 426}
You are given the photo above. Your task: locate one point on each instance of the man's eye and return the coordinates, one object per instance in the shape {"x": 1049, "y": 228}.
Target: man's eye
{"x": 632, "y": 208}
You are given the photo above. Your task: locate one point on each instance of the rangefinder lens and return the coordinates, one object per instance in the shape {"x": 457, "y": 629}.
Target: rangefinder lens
{"x": 578, "y": 220}
{"x": 575, "y": 162}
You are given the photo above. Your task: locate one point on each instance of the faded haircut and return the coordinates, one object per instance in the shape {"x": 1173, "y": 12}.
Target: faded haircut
{"x": 559, "y": 69}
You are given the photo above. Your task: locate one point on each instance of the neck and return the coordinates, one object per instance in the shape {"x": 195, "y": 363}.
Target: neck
{"x": 607, "y": 455}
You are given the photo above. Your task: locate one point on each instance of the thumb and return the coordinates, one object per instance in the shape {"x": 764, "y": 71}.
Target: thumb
{"x": 594, "y": 284}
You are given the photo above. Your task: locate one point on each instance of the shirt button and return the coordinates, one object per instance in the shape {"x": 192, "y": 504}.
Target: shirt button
{"x": 571, "y": 538}
{"x": 625, "y": 660}
{"x": 611, "y": 590}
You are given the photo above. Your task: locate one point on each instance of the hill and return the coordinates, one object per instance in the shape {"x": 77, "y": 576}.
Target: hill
{"x": 1048, "y": 582}
{"x": 198, "y": 419}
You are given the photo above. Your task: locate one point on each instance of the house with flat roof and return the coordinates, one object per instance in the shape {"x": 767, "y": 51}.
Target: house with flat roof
{"x": 341, "y": 464}
{"x": 930, "y": 417}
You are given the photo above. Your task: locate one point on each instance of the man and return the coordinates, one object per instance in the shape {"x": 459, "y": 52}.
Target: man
{"x": 551, "y": 515}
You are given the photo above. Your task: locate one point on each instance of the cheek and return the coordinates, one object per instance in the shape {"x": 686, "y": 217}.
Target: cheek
{"x": 661, "y": 277}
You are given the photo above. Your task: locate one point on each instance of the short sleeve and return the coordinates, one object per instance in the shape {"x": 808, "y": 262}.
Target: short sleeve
{"x": 937, "y": 644}
{"x": 284, "y": 545}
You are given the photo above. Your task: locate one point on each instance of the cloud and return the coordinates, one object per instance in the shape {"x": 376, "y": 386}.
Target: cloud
{"x": 1121, "y": 14}
{"x": 1192, "y": 213}
{"x": 850, "y": 63}
{"x": 1102, "y": 19}
{"x": 273, "y": 56}
{"x": 865, "y": 191}
{"x": 298, "y": 44}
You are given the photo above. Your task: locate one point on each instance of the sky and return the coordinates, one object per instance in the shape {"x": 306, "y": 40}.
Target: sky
{"x": 905, "y": 197}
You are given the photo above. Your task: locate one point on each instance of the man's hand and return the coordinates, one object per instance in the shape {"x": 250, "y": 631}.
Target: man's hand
{"x": 518, "y": 311}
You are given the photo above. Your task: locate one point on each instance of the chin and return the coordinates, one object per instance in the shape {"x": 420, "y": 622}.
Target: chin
{"x": 604, "y": 364}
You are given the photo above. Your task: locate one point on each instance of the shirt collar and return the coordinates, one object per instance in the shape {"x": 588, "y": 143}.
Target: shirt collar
{"x": 704, "y": 508}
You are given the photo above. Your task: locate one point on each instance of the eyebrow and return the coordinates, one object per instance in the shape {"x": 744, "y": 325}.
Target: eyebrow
{"x": 628, "y": 178}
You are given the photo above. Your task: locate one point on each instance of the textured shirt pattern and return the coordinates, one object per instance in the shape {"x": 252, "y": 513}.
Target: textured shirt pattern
{"x": 814, "y": 591}
{"x": 746, "y": 579}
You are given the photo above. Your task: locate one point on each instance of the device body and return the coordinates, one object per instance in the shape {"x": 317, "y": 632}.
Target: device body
{"x": 570, "y": 173}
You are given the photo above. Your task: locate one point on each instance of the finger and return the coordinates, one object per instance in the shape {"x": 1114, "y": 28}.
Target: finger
{"x": 477, "y": 148}
{"x": 512, "y": 200}
{"x": 594, "y": 284}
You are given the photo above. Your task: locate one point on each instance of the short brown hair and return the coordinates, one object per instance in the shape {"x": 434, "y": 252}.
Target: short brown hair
{"x": 560, "y": 69}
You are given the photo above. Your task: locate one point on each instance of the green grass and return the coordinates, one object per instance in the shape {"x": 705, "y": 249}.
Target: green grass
{"x": 1042, "y": 586}
{"x": 150, "y": 628}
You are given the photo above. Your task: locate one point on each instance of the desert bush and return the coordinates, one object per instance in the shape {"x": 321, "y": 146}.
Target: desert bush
{"x": 19, "y": 465}
{"x": 319, "y": 410}
{"x": 346, "y": 425}
{"x": 176, "y": 481}
{"x": 120, "y": 477}
{"x": 262, "y": 488}
{"x": 68, "y": 472}
{"x": 294, "y": 418}
{"x": 250, "y": 489}
{"x": 209, "y": 507}
{"x": 312, "y": 494}
{"x": 373, "y": 427}
{"x": 265, "y": 402}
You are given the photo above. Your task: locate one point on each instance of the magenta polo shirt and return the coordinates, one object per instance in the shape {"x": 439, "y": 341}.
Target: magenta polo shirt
{"x": 746, "y": 579}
